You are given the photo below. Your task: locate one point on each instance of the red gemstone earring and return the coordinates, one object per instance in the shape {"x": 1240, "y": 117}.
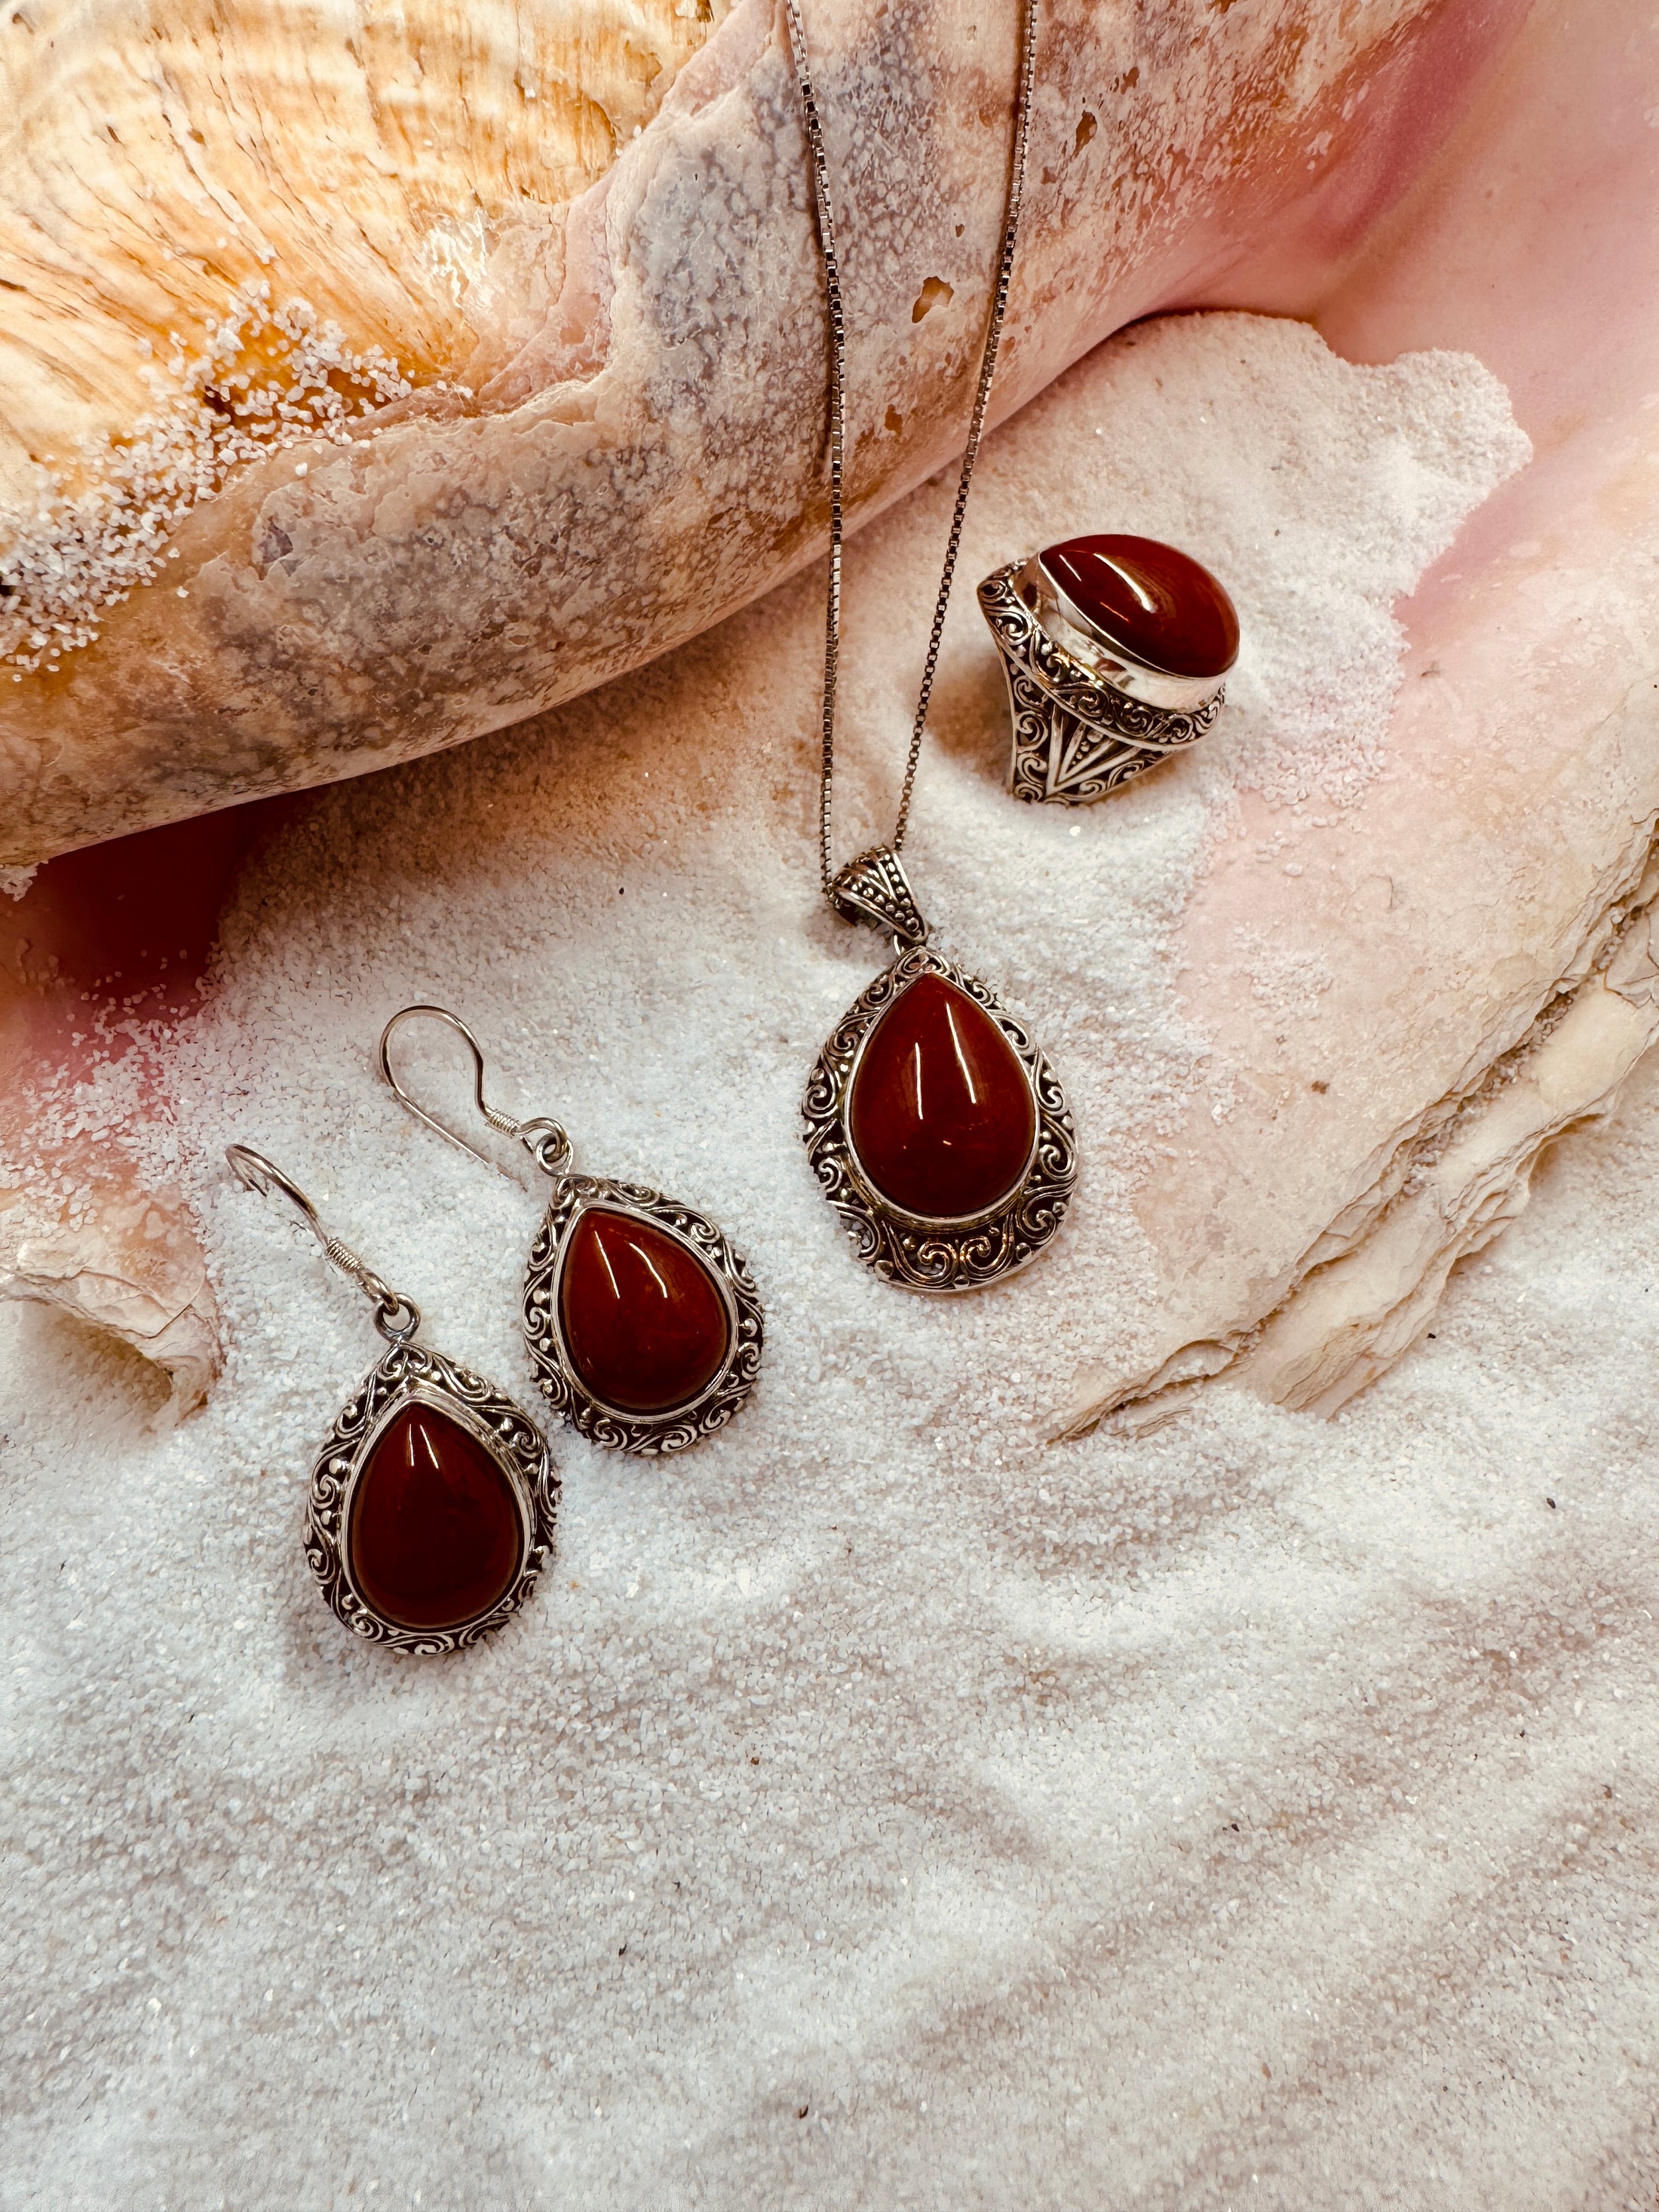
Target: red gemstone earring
{"x": 642, "y": 1323}
{"x": 1115, "y": 649}
{"x": 433, "y": 1502}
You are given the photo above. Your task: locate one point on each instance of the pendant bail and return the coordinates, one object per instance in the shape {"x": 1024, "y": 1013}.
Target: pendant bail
{"x": 875, "y": 889}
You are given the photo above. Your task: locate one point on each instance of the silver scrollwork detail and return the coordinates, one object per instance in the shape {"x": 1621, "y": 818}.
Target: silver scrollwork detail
{"x": 941, "y": 1257}
{"x": 644, "y": 1435}
{"x": 1075, "y": 738}
{"x": 410, "y": 1371}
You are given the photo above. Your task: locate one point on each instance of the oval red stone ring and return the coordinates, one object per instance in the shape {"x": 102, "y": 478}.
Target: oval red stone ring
{"x": 1116, "y": 650}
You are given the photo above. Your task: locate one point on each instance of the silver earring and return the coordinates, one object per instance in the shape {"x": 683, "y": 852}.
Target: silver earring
{"x": 1115, "y": 650}
{"x": 642, "y": 1323}
{"x": 433, "y": 1502}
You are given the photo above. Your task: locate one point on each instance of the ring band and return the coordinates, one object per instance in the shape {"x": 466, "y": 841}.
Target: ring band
{"x": 1116, "y": 652}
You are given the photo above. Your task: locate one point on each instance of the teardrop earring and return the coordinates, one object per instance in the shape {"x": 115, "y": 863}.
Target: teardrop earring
{"x": 433, "y": 1502}
{"x": 642, "y": 1324}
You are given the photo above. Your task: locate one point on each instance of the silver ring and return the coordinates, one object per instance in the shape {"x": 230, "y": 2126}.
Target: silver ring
{"x": 1116, "y": 650}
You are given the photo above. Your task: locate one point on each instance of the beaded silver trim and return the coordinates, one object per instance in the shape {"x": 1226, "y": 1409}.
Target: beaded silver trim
{"x": 875, "y": 889}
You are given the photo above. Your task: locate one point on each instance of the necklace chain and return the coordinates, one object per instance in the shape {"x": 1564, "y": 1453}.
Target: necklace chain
{"x": 837, "y": 320}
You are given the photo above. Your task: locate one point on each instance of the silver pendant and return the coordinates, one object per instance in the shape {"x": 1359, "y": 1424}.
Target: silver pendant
{"x": 411, "y": 1409}
{"x": 936, "y": 1127}
{"x": 680, "y": 1247}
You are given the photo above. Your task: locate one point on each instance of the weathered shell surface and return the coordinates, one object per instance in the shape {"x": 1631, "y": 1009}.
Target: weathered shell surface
{"x": 553, "y": 391}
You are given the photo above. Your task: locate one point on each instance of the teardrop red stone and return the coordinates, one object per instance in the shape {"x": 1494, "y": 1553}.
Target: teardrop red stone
{"x": 941, "y": 1116}
{"x": 645, "y": 1328}
{"x": 1155, "y": 601}
{"x": 435, "y": 1537}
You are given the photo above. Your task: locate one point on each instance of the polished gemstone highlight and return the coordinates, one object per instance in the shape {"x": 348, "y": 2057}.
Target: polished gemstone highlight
{"x": 941, "y": 1113}
{"x": 645, "y": 1326}
{"x": 436, "y": 1537}
{"x": 1152, "y": 601}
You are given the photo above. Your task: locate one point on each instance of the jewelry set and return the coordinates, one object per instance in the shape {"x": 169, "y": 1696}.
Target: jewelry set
{"x": 935, "y": 1125}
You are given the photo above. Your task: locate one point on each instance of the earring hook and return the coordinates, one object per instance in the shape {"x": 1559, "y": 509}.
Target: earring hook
{"x": 396, "y": 1316}
{"x": 544, "y": 1140}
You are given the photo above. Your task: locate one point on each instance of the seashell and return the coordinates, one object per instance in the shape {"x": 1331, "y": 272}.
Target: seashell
{"x": 380, "y": 380}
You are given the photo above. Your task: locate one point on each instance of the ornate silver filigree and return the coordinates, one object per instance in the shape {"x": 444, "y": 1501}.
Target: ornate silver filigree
{"x": 647, "y": 1435}
{"x": 920, "y": 1253}
{"x": 410, "y": 1373}
{"x": 1075, "y": 738}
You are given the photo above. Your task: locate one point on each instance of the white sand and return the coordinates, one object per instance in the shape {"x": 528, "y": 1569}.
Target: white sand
{"x": 882, "y": 1806}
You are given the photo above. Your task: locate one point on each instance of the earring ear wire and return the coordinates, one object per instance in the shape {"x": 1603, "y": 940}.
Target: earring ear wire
{"x": 543, "y": 1139}
{"x": 396, "y": 1316}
